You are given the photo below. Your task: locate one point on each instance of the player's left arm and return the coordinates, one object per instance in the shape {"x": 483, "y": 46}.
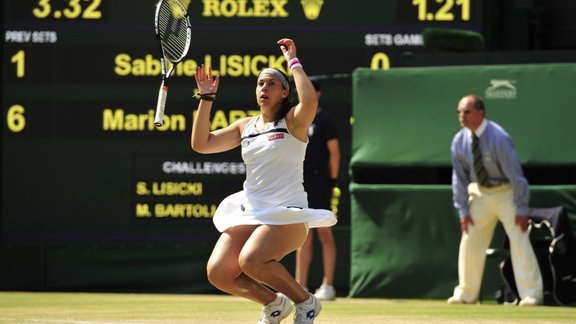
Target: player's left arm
{"x": 301, "y": 116}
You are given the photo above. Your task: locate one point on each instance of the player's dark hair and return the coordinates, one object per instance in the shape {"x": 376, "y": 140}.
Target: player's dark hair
{"x": 287, "y": 103}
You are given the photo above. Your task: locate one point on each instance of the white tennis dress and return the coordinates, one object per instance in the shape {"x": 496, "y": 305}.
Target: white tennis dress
{"x": 273, "y": 191}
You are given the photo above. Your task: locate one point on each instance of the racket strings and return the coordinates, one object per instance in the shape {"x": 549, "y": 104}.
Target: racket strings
{"x": 174, "y": 32}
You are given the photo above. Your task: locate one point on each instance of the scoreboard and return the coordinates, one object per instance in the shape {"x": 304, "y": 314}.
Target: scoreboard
{"x": 81, "y": 157}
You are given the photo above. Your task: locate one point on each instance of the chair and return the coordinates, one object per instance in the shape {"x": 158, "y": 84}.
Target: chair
{"x": 549, "y": 235}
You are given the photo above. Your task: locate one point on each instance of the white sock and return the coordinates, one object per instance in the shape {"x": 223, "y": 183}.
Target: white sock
{"x": 307, "y": 301}
{"x": 276, "y": 301}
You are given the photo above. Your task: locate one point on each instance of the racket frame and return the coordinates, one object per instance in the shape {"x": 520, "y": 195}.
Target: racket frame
{"x": 167, "y": 71}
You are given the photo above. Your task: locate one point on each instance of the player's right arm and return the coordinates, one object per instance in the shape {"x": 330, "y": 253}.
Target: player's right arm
{"x": 205, "y": 141}
{"x": 202, "y": 139}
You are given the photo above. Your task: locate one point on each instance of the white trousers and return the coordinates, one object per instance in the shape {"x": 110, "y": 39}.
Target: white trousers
{"x": 487, "y": 207}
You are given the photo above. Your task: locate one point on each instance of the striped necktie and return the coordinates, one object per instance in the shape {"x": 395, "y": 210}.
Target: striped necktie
{"x": 478, "y": 165}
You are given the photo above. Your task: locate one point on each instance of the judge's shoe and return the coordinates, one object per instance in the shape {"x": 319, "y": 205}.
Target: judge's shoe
{"x": 457, "y": 301}
{"x": 530, "y": 301}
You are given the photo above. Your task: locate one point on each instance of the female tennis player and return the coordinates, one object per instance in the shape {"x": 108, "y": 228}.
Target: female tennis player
{"x": 269, "y": 218}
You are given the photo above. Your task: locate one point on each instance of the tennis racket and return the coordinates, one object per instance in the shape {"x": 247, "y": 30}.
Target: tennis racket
{"x": 173, "y": 35}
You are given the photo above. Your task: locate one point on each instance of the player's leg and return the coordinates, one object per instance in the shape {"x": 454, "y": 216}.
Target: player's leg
{"x": 224, "y": 271}
{"x": 260, "y": 257}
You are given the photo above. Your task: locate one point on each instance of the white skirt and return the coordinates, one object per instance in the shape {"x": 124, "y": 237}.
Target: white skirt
{"x": 231, "y": 212}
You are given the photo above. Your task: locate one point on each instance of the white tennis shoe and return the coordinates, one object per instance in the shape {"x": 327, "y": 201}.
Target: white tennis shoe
{"x": 276, "y": 311}
{"x": 306, "y": 312}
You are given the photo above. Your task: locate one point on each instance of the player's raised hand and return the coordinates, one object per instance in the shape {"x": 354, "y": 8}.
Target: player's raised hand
{"x": 288, "y": 48}
{"x": 205, "y": 81}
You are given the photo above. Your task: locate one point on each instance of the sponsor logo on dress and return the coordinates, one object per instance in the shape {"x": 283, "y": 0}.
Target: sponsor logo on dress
{"x": 501, "y": 89}
{"x": 274, "y": 137}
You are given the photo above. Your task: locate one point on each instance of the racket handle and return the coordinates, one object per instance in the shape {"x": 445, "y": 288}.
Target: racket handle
{"x": 159, "y": 117}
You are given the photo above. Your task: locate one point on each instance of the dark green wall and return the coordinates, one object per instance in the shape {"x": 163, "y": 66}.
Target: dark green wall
{"x": 405, "y": 230}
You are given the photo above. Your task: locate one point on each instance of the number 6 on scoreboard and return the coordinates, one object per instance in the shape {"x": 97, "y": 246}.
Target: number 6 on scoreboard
{"x": 173, "y": 33}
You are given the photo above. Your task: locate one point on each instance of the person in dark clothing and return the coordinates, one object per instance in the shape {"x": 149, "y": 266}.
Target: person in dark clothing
{"x": 321, "y": 167}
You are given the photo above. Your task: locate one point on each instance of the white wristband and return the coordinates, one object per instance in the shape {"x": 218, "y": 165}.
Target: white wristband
{"x": 294, "y": 63}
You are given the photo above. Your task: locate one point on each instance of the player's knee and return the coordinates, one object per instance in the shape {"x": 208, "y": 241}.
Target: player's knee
{"x": 251, "y": 265}
{"x": 219, "y": 277}
{"x": 247, "y": 265}
{"x": 213, "y": 276}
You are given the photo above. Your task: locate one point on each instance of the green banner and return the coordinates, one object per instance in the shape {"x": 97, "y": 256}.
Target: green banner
{"x": 407, "y": 116}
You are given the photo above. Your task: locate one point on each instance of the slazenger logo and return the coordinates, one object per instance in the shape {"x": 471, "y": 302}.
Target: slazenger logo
{"x": 501, "y": 89}
{"x": 275, "y": 137}
{"x": 258, "y": 8}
